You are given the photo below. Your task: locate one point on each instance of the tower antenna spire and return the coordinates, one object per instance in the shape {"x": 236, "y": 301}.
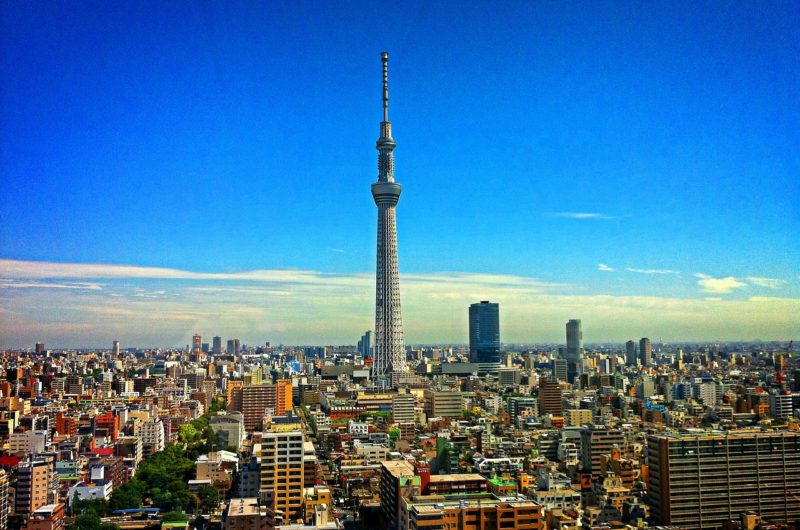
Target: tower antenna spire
{"x": 385, "y": 59}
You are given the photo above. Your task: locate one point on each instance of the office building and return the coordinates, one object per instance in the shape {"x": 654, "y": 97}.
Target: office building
{"x": 645, "y": 352}
{"x": 216, "y": 346}
{"x": 390, "y": 350}
{"x": 698, "y": 481}
{"x": 550, "y": 401}
{"x": 630, "y": 353}
{"x": 197, "y": 344}
{"x": 115, "y": 350}
{"x": 282, "y": 473}
{"x": 444, "y": 404}
{"x": 596, "y": 441}
{"x": 365, "y": 344}
{"x": 40, "y": 348}
{"x": 574, "y": 351}
{"x": 484, "y": 335}
{"x": 781, "y": 404}
{"x": 561, "y": 369}
{"x": 517, "y": 406}
{"x": 404, "y": 408}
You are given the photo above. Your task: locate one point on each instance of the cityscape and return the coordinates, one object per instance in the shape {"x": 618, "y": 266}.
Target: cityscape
{"x": 523, "y": 366}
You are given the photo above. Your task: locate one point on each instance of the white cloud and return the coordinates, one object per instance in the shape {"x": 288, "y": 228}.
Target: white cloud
{"x": 339, "y": 250}
{"x": 583, "y": 215}
{"x": 652, "y": 271}
{"x": 605, "y": 268}
{"x": 10, "y": 283}
{"x": 311, "y": 307}
{"x": 770, "y": 283}
{"x": 709, "y": 284}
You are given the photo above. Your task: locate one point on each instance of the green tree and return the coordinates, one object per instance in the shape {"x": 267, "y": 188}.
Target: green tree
{"x": 174, "y": 517}
{"x": 208, "y": 497}
{"x": 91, "y": 521}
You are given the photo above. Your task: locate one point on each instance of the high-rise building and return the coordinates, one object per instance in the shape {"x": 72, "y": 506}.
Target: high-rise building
{"x": 5, "y": 499}
{"x": 40, "y": 348}
{"x": 256, "y": 399}
{"x": 630, "y": 353}
{"x": 550, "y": 400}
{"x": 282, "y": 472}
{"x": 484, "y": 335}
{"x": 404, "y": 408}
{"x": 230, "y": 349}
{"x": 36, "y": 486}
{"x": 216, "y": 346}
{"x": 645, "y": 351}
{"x": 390, "y": 352}
{"x": 561, "y": 369}
{"x": 574, "y": 351}
{"x": 197, "y": 344}
{"x": 596, "y": 441}
{"x": 153, "y": 436}
{"x": 700, "y": 481}
{"x": 115, "y": 348}
{"x": 365, "y": 344}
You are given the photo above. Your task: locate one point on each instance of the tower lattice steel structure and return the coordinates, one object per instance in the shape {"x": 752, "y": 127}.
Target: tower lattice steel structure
{"x": 390, "y": 355}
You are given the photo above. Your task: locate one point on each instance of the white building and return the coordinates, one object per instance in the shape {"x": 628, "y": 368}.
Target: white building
{"x": 153, "y": 436}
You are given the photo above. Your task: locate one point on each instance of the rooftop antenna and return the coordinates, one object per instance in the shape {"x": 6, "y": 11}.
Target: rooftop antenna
{"x": 385, "y": 59}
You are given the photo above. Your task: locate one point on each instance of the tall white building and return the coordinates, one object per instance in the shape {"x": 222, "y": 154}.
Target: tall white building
{"x": 153, "y": 436}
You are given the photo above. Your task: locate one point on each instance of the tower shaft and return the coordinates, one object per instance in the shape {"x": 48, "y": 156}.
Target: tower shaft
{"x": 389, "y": 343}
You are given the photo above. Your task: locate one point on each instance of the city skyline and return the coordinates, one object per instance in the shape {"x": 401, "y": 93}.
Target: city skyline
{"x": 649, "y": 191}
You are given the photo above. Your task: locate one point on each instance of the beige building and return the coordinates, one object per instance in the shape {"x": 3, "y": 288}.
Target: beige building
{"x": 247, "y": 514}
{"x": 282, "y": 473}
{"x": 477, "y": 512}
{"x": 444, "y": 403}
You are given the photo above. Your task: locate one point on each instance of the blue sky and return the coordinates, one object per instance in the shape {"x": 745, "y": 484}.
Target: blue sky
{"x": 536, "y": 141}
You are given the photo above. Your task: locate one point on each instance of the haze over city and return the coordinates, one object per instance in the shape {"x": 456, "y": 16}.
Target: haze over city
{"x": 172, "y": 169}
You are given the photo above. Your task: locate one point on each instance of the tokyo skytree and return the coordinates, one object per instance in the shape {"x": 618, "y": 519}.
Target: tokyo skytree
{"x": 390, "y": 352}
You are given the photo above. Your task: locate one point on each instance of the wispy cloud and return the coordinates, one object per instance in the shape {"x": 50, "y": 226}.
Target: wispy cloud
{"x": 709, "y": 284}
{"x": 339, "y": 250}
{"x": 770, "y": 283}
{"x": 9, "y": 283}
{"x": 652, "y": 271}
{"x": 154, "y": 306}
{"x": 605, "y": 268}
{"x": 583, "y": 215}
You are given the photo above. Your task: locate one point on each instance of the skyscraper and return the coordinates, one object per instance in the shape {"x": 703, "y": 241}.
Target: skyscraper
{"x": 484, "y": 334}
{"x": 365, "y": 344}
{"x": 645, "y": 351}
{"x": 216, "y": 346}
{"x": 574, "y": 350}
{"x": 630, "y": 353}
{"x": 115, "y": 348}
{"x": 389, "y": 344}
